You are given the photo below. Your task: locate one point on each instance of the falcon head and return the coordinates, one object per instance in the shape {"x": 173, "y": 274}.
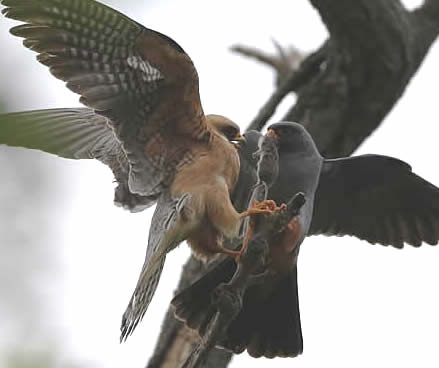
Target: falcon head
{"x": 292, "y": 137}
{"x": 226, "y": 128}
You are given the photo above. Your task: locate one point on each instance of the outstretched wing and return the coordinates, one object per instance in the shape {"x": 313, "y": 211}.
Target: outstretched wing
{"x": 141, "y": 80}
{"x": 378, "y": 199}
{"x": 75, "y": 133}
{"x": 164, "y": 235}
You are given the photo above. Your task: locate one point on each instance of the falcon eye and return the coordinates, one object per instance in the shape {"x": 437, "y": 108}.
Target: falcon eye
{"x": 230, "y": 132}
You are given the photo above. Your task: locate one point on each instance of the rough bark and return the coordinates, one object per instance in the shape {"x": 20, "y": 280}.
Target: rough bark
{"x": 344, "y": 90}
{"x": 375, "y": 48}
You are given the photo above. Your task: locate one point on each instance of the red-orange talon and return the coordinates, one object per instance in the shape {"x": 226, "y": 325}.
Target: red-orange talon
{"x": 231, "y": 253}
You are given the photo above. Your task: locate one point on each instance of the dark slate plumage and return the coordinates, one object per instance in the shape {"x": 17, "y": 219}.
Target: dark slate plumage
{"x": 375, "y": 198}
{"x": 378, "y": 199}
{"x": 268, "y": 160}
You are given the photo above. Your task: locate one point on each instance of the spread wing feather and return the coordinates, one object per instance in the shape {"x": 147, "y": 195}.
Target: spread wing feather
{"x": 165, "y": 233}
{"x": 378, "y": 199}
{"x": 75, "y": 133}
{"x": 141, "y": 80}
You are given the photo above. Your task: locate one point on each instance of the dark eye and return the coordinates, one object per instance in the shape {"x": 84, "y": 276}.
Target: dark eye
{"x": 230, "y": 132}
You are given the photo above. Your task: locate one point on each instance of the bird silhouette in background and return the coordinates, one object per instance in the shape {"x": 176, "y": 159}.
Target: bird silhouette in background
{"x": 375, "y": 198}
{"x": 143, "y": 119}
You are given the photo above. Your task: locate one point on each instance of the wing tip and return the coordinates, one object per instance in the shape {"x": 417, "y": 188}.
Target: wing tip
{"x": 5, "y": 11}
{"x": 129, "y": 323}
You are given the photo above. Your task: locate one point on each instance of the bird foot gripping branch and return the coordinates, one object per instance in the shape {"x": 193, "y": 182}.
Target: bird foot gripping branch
{"x": 267, "y": 207}
{"x": 226, "y": 300}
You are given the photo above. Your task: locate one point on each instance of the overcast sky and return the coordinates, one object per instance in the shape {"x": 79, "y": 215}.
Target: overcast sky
{"x": 361, "y": 305}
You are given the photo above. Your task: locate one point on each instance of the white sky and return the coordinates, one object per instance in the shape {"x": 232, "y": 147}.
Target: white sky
{"x": 361, "y": 305}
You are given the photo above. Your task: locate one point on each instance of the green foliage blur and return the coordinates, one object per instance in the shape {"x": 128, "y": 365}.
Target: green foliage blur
{"x": 30, "y": 336}
{"x": 30, "y": 333}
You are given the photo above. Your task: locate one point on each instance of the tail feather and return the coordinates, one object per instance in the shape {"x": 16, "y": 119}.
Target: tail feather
{"x": 142, "y": 296}
{"x": 193, "y": 305}
{"x": 268, "y": 324}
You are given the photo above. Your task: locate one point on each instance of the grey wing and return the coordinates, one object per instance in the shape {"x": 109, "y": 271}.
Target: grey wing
{"x": 163, "y": 237}
{"x": 242, "y": 192}
{"x": 74, "y": 133}
{"x": 247, "y": 171}
{"x": 378, "y": 199}
{"x": 268, "y": 163}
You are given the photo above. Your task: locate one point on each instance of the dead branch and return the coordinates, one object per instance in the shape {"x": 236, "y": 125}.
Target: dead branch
{"x": 356, "y": 77}
{"x": 285, "y": 61}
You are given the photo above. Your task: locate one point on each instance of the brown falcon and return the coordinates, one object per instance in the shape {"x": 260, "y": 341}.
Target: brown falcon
{"x": 143, "y": 119}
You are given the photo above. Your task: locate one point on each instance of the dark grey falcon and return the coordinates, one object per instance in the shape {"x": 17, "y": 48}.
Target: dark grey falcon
{"x": 375, "y": 198}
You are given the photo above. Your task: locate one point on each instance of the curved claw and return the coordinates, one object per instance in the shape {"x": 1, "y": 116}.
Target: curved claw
{"x": 265, "y": 207}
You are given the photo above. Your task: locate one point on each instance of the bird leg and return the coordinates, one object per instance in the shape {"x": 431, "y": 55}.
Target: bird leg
{"x": 229, "y": 252}
{"x": 264, "y": 207}
{"x": 247, "y": 238}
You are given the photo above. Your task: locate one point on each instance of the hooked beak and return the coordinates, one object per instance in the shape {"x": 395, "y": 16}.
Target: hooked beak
{"x": 238, "y": 140}
{"x": 272, "y": 133}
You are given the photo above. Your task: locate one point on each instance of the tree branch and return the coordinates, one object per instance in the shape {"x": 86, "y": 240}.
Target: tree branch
{"x": 286, "y": 60}
{"x": 426, "y": 23}
{"x": 375, "y": 48}
{"x": 226, "y": 299}
{"x": 293, "y": 81}
{"x": 176, "y": 341}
